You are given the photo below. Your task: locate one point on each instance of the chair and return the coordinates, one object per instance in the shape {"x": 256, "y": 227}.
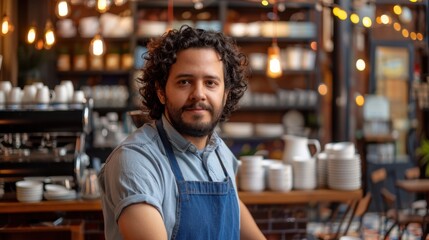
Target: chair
{"x": 355, "y": 210}
{"x": 389, "y": 204}
{"x": 399, "y": 218}
{"x": 418, "y": 205}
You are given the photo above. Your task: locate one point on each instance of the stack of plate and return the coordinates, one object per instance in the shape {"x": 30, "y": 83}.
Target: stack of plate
{"x": 344, "y": 173}
{"x": 58, "y": 192}
{"x": 29, "y": 191}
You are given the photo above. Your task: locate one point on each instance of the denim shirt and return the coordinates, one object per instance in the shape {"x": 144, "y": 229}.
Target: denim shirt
{"x": 138, "y": 171}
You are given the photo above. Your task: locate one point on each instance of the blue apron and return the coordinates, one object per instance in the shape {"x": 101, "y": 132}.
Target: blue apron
{"x": 205, "y": 210}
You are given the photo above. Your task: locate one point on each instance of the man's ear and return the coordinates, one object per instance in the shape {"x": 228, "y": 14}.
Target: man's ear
{"x": 161, "y": 96}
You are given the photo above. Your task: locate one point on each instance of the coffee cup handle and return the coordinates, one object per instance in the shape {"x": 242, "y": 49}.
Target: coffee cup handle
{"x": 51, "y": 95}
{"x": 316, "y": 144}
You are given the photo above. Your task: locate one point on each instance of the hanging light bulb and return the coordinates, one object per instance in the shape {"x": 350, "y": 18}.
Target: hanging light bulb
{"x": 103, "y": 5}
{"x": 120, "y": 2}
{"x": 6, "y": 25}
{"x": 49, "y": 35}
{"x": 274, "y": 67}
{"x": 31, "y": 35}
{"x": 97, "y": 46}
{"x": 62, "y": 9}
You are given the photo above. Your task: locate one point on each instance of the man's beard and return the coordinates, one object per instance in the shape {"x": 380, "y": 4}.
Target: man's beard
{"x": 193, "y": 129}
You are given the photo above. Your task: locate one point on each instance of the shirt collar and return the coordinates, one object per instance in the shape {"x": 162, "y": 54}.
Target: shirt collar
{"x": 182, "y": 144}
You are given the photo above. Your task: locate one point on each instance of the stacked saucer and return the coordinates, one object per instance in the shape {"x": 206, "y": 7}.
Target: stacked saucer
{"x": 58, "y": 192}
{"x": 344, "y": 173}
{"x": 29, "y": 191}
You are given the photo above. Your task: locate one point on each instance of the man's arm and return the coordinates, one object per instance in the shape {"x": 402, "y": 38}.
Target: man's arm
{"x": 248, "y": 229}
{"x": 141, "y": 221}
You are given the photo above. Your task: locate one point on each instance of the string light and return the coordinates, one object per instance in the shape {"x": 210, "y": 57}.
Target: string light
{"x": 103, "y": 5}
{"x": 322, "y": 89}
{"x": 360, "y": 64}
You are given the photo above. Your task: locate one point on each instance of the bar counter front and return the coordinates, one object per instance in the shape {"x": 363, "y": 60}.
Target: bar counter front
{"x": 272, "y": 211}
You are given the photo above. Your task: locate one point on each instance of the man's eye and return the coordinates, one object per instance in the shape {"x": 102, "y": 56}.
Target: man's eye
{"x": 184, "y": 82}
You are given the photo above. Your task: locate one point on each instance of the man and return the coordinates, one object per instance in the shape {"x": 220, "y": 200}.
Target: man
{"x": 174, "y": 179}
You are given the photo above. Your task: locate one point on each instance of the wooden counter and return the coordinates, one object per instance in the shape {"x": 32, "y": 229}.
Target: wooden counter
{"x": 293, "y": 197}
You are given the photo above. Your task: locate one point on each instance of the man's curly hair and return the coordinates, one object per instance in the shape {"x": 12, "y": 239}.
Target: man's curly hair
{"x": 162, "y": 53}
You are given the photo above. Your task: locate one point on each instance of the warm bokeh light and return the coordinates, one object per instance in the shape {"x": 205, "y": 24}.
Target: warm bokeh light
{"x": 336, "y": 11}
{"x": 397, "y": 9}
{"x": 103, "y": 5}
{"x": 397, "y": 26}
{"x": 49, "y": 35}
{"x": 274, "y": 68}
{"x": 322, "y": 89}
{"x": 264, "y": 3}
{"x": 385, "y": 19}
{"x": 39, "y": 44}
{"x": 313, "y": 45}
{"x": 405, "y": 33}
{"x": 62, "y": 9}
{"x": 342, "y": 15}
{"x": 360, "y": 100}
{"x": 5, "y": 25}
{"x": 354, "y": 18}
{"x": 360, "y": 64}
{"x": 378, "y": 20}
{"x": 367, "y": 22}
{"x": 419, "y": 36}
{"x": 97, "y": 46}
{"x": 413, "y": 35}
{"x": 31, "y": 35}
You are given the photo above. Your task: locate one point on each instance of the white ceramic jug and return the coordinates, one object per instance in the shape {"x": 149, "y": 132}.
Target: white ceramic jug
{"x": 298, "y": 146}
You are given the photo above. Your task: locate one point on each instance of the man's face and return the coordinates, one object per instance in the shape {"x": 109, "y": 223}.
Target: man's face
{"x": 195, "y": 92}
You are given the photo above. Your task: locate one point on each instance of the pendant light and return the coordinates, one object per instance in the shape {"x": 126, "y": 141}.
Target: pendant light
{"x": 49, "y": 37}
{"x": 103, "y": 5}
{"x": 62, "y": 9}
{"x": 31, "y": 35}
{"x": 97, "y": 47}
{"x": 274, "y": 68}
{"x": 6, "y": 25}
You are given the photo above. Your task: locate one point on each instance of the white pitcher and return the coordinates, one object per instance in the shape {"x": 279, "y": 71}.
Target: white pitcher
{"x": 298, "y": 146}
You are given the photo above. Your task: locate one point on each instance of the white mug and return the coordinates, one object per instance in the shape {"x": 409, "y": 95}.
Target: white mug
{"x": 2, "y": 97}
{"x": 5, "y": 86}
{"x": 78, "y": 96}
{"x": 61, "y": 94}
{"x": 14, "y": 96}
{"x": 43, "y": 95}
{"x": 70, "y": 88}
{"x": 29, "y": 94}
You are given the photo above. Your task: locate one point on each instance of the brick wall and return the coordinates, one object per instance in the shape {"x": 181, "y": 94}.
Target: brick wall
{"x": 281, "y": 222}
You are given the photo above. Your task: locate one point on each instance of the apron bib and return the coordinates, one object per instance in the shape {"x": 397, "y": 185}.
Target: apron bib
{"x": 205, "y": 210}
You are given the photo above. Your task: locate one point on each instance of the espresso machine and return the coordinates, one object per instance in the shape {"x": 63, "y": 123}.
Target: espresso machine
{"x": 45, "y": 142}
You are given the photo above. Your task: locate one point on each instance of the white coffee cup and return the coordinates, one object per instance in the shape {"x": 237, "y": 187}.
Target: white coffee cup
{"x": 29, "y": 94}
{"x": 5, "y": 86}
{"x": 2, "y": 98}
{"x": 61, "y": 94}
{"x": 38, "y": 84}
{"x": 79, "y": 96}
{"x": 43, "y": 95}
{"x": 70, "y": 88}
{"x": 14, "y": 96}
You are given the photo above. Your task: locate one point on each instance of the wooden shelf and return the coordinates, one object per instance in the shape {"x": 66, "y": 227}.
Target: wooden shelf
{"x": 267, "y": 197}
